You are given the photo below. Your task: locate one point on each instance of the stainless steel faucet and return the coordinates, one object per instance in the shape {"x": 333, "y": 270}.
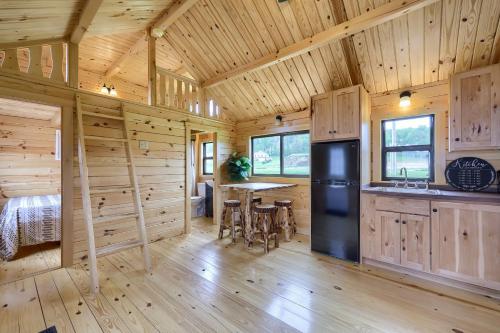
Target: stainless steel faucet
{"x": 406, "y": 176}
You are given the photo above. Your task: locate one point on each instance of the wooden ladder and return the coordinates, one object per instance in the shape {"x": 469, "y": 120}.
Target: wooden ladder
{"x": 142, "y": 241}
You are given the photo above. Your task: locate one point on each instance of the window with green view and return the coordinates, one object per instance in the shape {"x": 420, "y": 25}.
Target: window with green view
{"x": 208, "y": 158}
{"x": 284, "y": 155}
{"x": 408, "y": 143}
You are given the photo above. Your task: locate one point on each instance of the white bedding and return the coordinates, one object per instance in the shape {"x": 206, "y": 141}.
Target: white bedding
{"x": 29, "y": 221}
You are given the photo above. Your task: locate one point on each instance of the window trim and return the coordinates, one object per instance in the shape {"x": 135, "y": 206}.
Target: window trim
{"x": 281, "y": 136}
{"x": 204, "y": 158}
{"x": 430, "y": 147}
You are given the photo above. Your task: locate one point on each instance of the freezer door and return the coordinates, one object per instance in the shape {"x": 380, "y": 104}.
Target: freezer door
{"x": 335, "y": 161}
{"x": 335, "y": 220}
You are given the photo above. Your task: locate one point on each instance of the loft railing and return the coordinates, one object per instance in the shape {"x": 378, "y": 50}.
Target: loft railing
{"x": 45, "y": 61}
{"x": 179, "y": 92}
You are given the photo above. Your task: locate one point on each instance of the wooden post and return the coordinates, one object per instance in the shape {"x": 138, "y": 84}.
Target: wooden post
{"x": 73, "y": 65}
{"x": 151, "y": 70}
{"x": 163, "y": 89}
{"x": 188, "y": 182}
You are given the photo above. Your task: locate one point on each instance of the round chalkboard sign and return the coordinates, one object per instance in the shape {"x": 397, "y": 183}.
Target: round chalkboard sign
{"x": 470, "y": 174}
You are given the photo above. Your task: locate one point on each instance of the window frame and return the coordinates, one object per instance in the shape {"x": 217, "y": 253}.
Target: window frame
{"x": 282, "y": 167}
{"x": 430, "y": 147}
{"x": 205, "y": 158}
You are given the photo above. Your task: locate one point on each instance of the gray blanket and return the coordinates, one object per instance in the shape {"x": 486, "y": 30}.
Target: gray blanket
{"x": 29, "y": 221}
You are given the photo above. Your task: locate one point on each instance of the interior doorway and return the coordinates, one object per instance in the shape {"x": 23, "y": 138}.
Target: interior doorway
{"x": 30, "y": 189}
{"x": 201, "y": 177}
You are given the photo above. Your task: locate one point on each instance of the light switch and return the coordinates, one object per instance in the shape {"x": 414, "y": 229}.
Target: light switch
{"x": 143, "y": 144}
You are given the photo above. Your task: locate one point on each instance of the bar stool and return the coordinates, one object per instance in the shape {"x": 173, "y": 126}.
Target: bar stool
{"x": 285, "y": 218}
{"x": 255, "y": 201}
{"x": 234, "y": 207}
{"x": 265, "y": 223}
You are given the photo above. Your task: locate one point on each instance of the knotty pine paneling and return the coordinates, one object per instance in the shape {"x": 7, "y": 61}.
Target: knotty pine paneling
{"x": 292, "y": 122}
{"x": 160, "y": 169}
{"x": 426, "y": 99}
{"x": 27, "y": 157}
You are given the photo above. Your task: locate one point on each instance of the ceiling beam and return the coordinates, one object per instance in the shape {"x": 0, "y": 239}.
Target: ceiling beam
{"x": 171, "y": 15}
{"x": 367, "y": 20}
{"x": 86, "y": 18}
{"x": 161, "y": 24}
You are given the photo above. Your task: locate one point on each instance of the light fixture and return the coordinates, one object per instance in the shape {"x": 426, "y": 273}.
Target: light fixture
{"x": 404, "y": 99}
{"x": 109, "y": 90}
{"x": 278, "y": 120}
{"x": 157, "y": 32}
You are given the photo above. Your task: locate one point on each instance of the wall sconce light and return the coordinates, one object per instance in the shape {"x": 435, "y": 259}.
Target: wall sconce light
{"x": 278, "y": 120}
{"x": 108, "y": 90}
{"x": 404, "y": 99}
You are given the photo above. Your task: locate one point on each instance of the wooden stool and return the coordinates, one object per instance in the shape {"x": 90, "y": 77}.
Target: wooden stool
{"x": 234, "y": 207}
{"x": 265, "y": 223}
{"x": 285, "y": 218}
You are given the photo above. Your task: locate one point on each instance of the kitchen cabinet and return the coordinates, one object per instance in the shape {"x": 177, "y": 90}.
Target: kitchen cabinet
{"x": 339, "y": 114}
{"x": 475, "y": 109}
{"x": 466, "y": 242}
{"x": 322, "y": 117}
{"x": 396, "y": 235}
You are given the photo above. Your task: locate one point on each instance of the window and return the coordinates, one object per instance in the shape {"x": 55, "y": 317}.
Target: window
{"x": 208, "y": 158}
{"x": 284, "y": 155}
{"x": 408, "y": 143}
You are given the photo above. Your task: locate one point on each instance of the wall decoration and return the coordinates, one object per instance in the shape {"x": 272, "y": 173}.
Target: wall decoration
{"x": 470, "y": 174}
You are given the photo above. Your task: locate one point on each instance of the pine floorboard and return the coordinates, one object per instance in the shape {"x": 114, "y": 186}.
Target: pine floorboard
{"x": 201, "y": 284}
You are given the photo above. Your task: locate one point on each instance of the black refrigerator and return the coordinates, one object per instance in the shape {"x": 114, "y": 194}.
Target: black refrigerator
{"x": 335, "y": 192}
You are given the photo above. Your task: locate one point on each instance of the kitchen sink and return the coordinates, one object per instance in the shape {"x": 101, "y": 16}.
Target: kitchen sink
{"x": 404, "y": 190}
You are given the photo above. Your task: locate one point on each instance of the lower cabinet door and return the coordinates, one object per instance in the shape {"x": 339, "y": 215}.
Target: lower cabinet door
{"x": 389, "y": 236}
{"x": 466, "y": 242}
{"x": 415, "y": 242}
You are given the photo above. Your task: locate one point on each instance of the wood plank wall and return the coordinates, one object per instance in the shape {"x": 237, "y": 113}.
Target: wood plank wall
{"x": 93, "y": 82}
{"x": 430, "y": 98}
{"x": 160, "y": 169}
{"x": 27, "y": 158}
{"x": 292, "y": 122}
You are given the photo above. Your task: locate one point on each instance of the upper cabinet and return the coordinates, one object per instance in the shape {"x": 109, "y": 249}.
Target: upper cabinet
{"x": 337, "y": 115}
{"x": 475, "y": 109}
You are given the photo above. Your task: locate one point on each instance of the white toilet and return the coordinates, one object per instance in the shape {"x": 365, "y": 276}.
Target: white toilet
{"x": 198, "y": 202}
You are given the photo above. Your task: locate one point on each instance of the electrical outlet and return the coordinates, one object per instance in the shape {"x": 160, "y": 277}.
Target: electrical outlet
{"x": 143, "y": 144}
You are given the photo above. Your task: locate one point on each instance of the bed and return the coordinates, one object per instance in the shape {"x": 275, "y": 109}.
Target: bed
{"x": 29, "y": 221}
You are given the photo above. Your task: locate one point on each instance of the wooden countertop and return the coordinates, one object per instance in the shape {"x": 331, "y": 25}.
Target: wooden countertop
{"x": 439, "y": 195}
{"x": 257, "y": 187}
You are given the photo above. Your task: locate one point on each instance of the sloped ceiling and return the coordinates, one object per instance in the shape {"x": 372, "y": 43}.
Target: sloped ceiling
{"x": 215, "y": 36}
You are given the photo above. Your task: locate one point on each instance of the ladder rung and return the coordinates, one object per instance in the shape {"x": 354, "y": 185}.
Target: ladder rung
{"x": 111, "y": 218}
{"x": 104, "y": 138}
{"x": 102, "y": 115}
{"x": 111, "y": 190}
{"x": 118, "y": 247}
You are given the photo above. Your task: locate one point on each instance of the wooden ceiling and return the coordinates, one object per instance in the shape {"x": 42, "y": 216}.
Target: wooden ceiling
{"x": 427, "y": 45}
{"x": 215, "y": 36}
{"x": 33, "y": 20}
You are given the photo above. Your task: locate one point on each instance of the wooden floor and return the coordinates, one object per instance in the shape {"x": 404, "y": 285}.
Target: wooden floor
{"x": 31, "y": 260}
{"x": 200, "y": 284}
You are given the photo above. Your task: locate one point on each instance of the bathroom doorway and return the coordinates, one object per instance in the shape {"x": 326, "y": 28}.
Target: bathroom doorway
{"x": 201, "y": 172}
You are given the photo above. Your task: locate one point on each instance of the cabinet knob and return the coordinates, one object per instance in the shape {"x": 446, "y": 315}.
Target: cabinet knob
{"x": 334, "y": 131}
{"x": 457, "y": 139}
{"x": 330, "y": 132}
{"x": 434, "y": 210}
{"x": 404, "y": 248}
{"x": 403, "y": 222}
{"x": 397, "y": 221}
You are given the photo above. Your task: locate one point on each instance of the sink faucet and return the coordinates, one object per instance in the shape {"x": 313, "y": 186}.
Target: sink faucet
{"x": 406, "y": 176}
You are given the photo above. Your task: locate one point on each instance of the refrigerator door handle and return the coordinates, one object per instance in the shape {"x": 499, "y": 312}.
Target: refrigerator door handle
{"x": 337, "y": 186}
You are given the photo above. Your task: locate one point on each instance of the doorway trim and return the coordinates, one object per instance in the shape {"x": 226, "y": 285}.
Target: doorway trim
{"x": 188, "y": 183}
